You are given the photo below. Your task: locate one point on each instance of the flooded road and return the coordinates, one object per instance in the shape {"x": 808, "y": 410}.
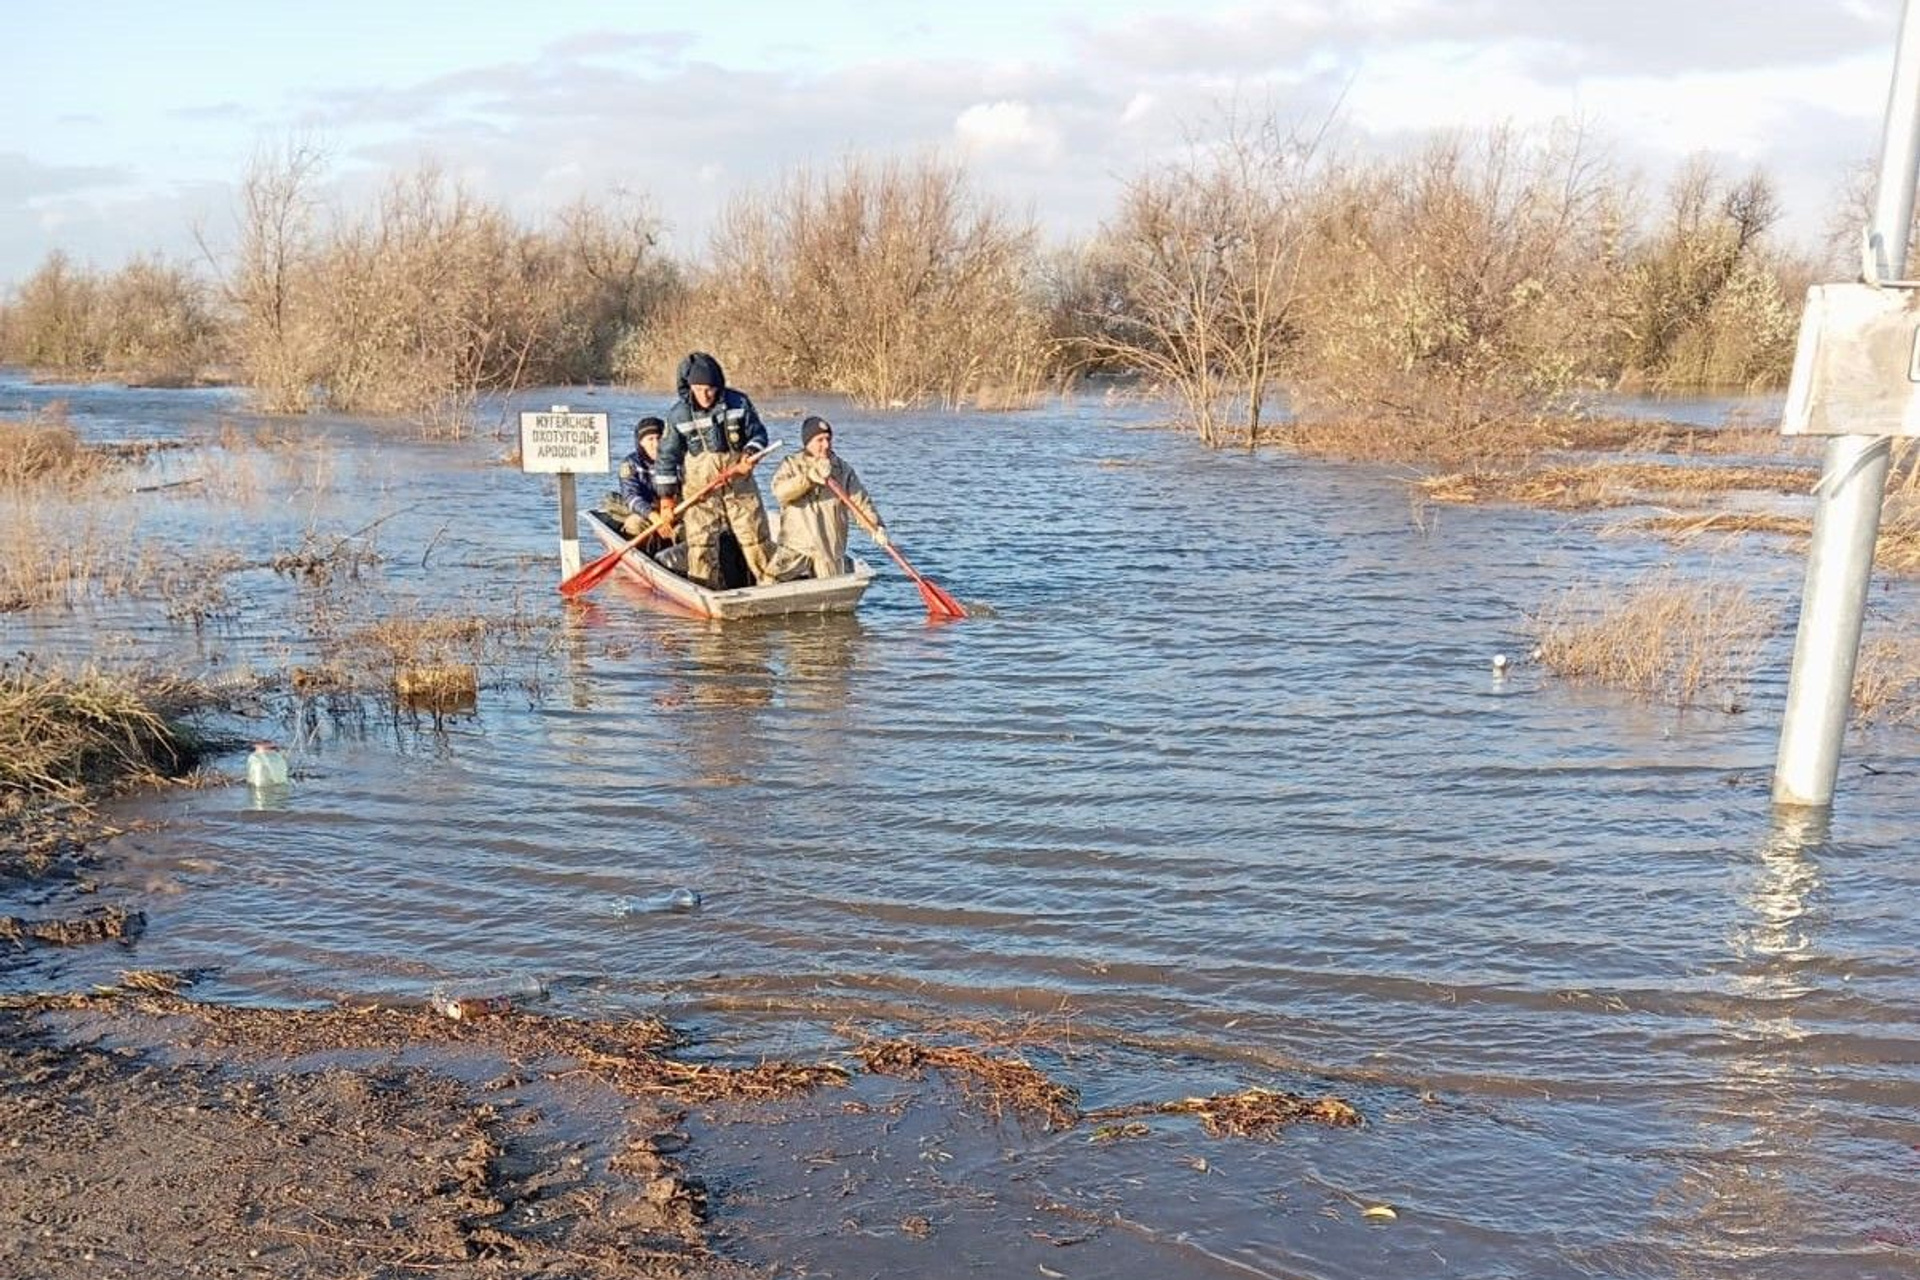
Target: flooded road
{"x": 1222, "y": 784}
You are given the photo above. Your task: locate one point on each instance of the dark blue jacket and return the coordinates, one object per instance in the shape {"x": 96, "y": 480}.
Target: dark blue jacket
{"x": 731, "y": 426}
{"x": 636, "y": 483}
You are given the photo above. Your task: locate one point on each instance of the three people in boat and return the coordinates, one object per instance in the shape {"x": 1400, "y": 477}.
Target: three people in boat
{"x": 712, "y": 427}
{"x": 708, "y": 429}
{"x": 813, "y": 520}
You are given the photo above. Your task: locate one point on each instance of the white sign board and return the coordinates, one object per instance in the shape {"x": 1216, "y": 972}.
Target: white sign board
{"x": 559, "y": 441}
{"x": 1857, "y": 369}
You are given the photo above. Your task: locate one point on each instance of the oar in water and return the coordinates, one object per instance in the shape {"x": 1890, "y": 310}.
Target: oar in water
{"x": 939, "y": 603}
{"x": 589, "y": 576}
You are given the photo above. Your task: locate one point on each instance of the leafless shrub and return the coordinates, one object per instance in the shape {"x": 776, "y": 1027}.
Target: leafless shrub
{"x": 432, "y": 298}
{"x": 1453, "y": 288}
{"x": 272, "y": 275}
{"x": 150, "y": 322}
{"x": 885, "y": 280}
{"x": 1702, "y": 302}
{"x": 1663, "y": 637}
{"x": 1196, "y": 282}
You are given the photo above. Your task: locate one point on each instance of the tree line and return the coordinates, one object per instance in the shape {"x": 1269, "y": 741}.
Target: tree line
{"x": 1256, "y": 281}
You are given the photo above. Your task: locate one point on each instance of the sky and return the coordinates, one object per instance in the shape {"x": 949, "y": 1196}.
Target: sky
{"x": 128, "y": 125}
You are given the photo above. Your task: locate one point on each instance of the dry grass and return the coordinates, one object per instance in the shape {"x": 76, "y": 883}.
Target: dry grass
{"x": 440, "y": 686}
{"x": 999, "y": 1083}
{"x": 1686, "y": 527}
{"x": 1591, "y": 486}
{"x": 1664, "y": 637}
{"x": 1653, "y": 435}
{"x": 1251, "y": 1113}
{"x": 1896, "y": 551}
{"x": 1886, "y": 678}
{"x": 70, "y": 735}
{"x": 45, "y": 452}
{"x": 98, "y": 924}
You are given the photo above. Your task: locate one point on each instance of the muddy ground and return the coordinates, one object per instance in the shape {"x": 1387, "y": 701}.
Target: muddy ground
{"x": 146, "y": 1134}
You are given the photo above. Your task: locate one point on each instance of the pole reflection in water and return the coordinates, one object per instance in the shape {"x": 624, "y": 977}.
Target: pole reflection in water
{"x": 1760, "y": 1128}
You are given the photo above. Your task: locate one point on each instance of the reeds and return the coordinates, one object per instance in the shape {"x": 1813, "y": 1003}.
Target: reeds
{"x": 1668, "y": 638}
{"x": 1886, "y": 678}
{"x": 70, "y": 735}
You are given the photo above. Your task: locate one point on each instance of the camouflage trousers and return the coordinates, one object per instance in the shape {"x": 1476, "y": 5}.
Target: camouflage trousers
{"x": 735, "y": 506}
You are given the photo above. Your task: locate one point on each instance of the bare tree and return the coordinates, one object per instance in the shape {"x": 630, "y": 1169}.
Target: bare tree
{"x": 275, "y": 257}
{"x": 1198, "y": 278}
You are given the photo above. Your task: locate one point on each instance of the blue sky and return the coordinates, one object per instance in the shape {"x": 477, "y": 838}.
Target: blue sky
{"x": 127, "y": 124}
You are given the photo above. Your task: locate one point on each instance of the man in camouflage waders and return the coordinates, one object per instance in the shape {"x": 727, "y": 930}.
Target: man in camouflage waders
{"x": 709, "y": 429}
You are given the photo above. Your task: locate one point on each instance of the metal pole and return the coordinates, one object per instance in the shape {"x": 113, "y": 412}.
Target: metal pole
{"x": 569, "y": 528}
{"x": 1853, "y": 482}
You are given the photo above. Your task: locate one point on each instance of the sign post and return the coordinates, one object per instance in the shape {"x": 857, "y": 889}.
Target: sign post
{"x": 1856, "y": 378}
{"x": 558, "y": 442}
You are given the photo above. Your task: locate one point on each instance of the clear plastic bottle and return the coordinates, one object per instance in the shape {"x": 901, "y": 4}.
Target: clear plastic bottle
{"x": 676, "y": 901}
{"x": 266, "y": 767}
{"x": 462, "y": 1001}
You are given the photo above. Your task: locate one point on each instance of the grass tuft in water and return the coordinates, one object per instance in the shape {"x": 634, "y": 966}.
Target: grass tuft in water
{"x": 66, "y": 736}
{"x": 1668, "y": 638}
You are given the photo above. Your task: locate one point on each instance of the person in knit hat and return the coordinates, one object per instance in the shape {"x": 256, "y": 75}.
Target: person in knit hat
{"x": 634, "y": 505}
{"x": 708, "y": 429}
{"x": 813, "y": 519}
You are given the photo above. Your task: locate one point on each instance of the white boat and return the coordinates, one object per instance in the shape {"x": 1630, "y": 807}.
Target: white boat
{"x": 661, "y": 575}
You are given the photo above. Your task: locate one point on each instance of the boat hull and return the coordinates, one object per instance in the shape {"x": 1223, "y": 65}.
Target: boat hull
{"x": 808, "y": 595}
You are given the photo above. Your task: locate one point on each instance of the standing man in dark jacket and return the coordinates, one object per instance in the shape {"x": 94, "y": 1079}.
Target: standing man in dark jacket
{"x": 709, "y": 429}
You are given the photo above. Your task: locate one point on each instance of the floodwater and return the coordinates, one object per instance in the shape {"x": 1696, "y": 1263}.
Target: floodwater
{"x": 1222, "y": 784}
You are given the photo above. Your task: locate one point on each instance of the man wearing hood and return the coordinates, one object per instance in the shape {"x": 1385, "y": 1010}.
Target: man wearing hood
{"x": 709, "y": 429}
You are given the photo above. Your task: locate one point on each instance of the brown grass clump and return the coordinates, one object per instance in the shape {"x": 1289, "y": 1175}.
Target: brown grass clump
{"x": 1663, "y": 637}
{"x": 1886, "y": 679}
{"x": 1684, "y": 528}
{"x": 1588, "y": 486}
{"x": 1001, "y": 1084}
{"x": 1415, "y": 440}
{"x": 68, "y": 735}
{"x": 101, "y": 924}
{"x": 440, "y": 686}
{"x": 1898, "y": 548}
{"x": 45, "y": 452}
{"x": 1251, "y": 1113}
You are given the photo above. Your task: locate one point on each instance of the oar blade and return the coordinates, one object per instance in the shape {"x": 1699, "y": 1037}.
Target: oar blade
{"x": 591, "y": 575}
{"x": 939, "y": 603}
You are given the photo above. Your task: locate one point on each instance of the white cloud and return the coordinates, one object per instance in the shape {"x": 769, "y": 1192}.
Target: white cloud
{"x": 1006, "y": 128}
{"x": 1139, "y": 107}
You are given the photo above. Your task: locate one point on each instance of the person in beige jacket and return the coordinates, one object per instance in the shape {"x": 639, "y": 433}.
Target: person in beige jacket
{"x": 813, "y": 522}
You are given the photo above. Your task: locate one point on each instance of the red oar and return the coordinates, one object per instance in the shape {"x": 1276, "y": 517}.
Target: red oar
{"x": 589, "y": 576}
{"x": 939, "y": 603}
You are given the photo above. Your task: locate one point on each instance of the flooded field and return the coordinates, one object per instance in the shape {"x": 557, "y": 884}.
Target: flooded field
{"x": 1220, "y": 790}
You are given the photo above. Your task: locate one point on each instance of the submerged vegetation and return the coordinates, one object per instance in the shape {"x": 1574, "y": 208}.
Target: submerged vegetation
{"x": 1672, "y": 639}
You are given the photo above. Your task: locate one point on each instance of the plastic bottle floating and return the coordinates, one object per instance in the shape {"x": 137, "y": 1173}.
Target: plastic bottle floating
{"x": 465, "y": 1001}
{"x": 676, "y": 901}
{"x": 266, "y": 767}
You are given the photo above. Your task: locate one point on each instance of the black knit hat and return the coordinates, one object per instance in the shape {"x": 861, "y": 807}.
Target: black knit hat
{"x": 813, "y": 426}
{"x": 701, "y": 369}
{"x": 648, "y": 426}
